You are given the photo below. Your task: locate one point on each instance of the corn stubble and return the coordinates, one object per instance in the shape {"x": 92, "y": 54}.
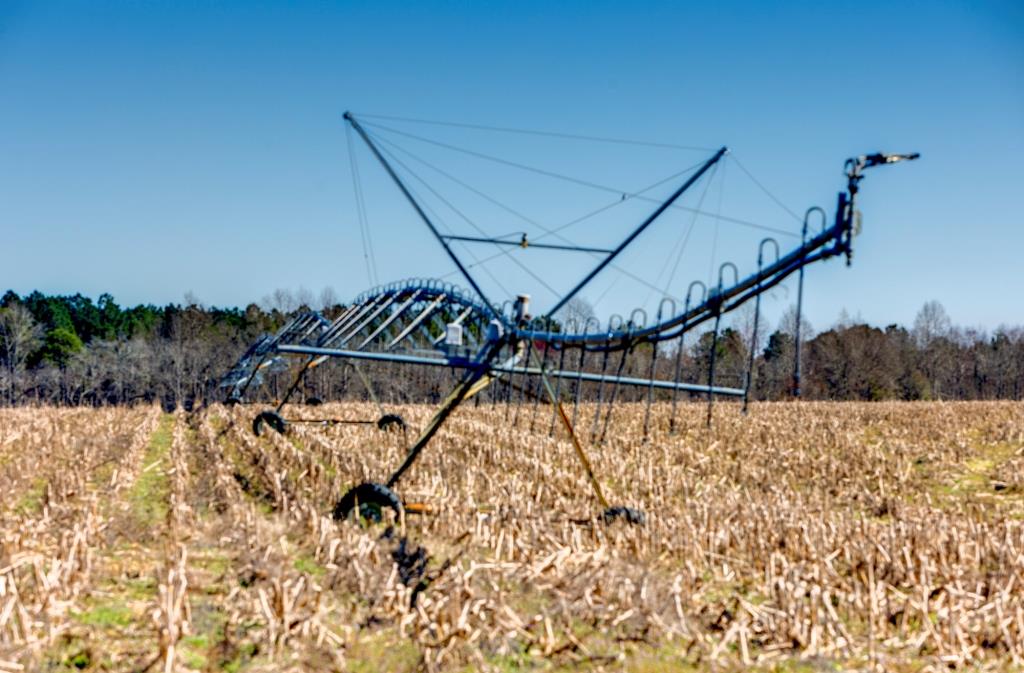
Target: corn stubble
{"x": 866, "y": 536}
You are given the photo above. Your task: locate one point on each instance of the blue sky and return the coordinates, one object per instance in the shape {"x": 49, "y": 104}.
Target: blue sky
{"x": 149, "y": 149}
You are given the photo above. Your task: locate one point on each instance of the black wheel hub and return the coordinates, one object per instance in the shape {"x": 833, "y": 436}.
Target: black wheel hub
{"x": 391, "y": 422}
{"x": 371, "y": 499}
{"x": 631, "y": 516}
{"x": 271, "y": 419}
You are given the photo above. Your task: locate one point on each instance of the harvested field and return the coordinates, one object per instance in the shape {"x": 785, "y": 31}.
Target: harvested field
{"x": 805, "y": 537}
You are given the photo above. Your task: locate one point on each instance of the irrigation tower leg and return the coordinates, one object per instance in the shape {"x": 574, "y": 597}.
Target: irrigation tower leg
{"x": 711, "y": 366}
{"x": 473, "y": 381}
{"x": 580, "y": 454}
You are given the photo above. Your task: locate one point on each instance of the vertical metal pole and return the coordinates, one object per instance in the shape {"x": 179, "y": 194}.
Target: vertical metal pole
{"x": 600, "y": 393}
{"x": 558, "y": 389}
{"x": 508, "y": 387}
{"x": 753, "y": 352}
{"x": 679, "y": 372}
{"x": 650, "y": 377}
{"x": 524, "y": 382}
{"x": 537, "y": 390}
{"x": 799, "y": 318}
{"x": 682, "y": 348}
{"x": 578, "y": 388}
{"x": 753, "y": 341}
{"x": 494, "y": 396}
{"x": 650, "y": 386}
{"x": 711, "y": 366}
{"x": 615, "y": 391}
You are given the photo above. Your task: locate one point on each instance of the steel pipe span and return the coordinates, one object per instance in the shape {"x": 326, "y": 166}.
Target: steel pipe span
{"x": 463, "y": 363}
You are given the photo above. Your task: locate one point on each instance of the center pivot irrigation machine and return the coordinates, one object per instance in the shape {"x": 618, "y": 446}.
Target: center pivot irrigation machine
{"x": 431, "y": 323}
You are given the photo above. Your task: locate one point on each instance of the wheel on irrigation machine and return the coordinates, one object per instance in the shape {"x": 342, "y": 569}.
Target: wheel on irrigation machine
{"x": 389, "y": 422}
{"x": 371, "y": 499}
{"x": 271, "y": 419}
{"x": 313, "y": 401}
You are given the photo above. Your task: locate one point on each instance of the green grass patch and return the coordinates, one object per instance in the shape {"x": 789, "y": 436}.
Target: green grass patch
{"x": 148, "y": 498}
{"x": 377, "y": 654}
{"x": 202, "y": 647}
{"x": 973, "y": 479}
{"x": 216, "y": 564}
{"x": 198, "y": 642}
{"x": 193, "y": 650}
{"x": 243, "y": 657}
{"x": 138, "y": 588}
{"x": 105, "y": 616}
{"x": 32, "y": 501}
{"x": 305, "y": 564}
{"x": 79, "y": 660}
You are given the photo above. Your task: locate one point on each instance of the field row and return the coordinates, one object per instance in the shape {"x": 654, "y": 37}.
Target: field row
{"x": 886, "y": 535}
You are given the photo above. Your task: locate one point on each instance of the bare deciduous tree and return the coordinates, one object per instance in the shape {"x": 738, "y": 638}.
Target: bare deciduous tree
{"x": 787, "y": 324}
{"x": 192, "y": 299}
{"x": 577, "y": 311}
{"x": 931, "y": 323}
{"x": 304, "y": 298}
{"x": 742, "y": 320}
{"x": 280, "y": 300}
{"x": 328, "y": 298}
{"x": 19, "y": 336}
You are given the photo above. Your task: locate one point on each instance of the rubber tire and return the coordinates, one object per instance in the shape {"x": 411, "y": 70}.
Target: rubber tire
{"x": 232, "y": 401}
{"x": 391, "y": 422}
{"x": 313, "y": 401}
{"x": 634, "y": 517}
{"x": 271, "y": 418}
{"x": 372, "y": 498}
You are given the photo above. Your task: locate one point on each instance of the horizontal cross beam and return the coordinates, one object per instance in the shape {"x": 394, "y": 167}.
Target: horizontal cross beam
{"x": 508, "y": 369}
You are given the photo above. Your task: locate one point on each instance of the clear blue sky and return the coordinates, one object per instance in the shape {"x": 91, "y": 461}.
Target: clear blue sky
{"x": 149, "y": 149}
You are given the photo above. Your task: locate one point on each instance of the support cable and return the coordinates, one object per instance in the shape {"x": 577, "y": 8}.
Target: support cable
{"x": 615, "y": 267}
{"x": 662, "y": 207}
{"x": 469, "y": 252}
{"x": 371, "y": 270}
{"x": 568, "y": 178}
{"x": 512, "y": 211}
{"x": 550, "y": 134}
{"x": 445, "y": 226}
{"x": 553, "y": 232}
{"x": 681, "y": 243}
{"x": 611, "y": 286}
{"x": 714, "y": 239}
{"x": 592, "y": 213}
{"x": 764, "y": 189}
{"x": 471, "y": 223}
{"x": 490, "y": 308}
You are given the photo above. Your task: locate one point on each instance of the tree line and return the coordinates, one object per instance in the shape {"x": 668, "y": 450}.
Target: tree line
{"x": 70, "y": 350}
